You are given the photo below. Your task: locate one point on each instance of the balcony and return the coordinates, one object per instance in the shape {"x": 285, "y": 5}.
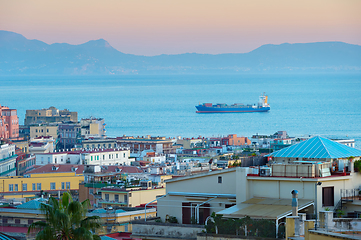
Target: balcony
{"x": 108, "y": 202}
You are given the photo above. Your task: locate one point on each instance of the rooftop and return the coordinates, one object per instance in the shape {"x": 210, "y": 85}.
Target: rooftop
{"x": 51, "y": 168}
{"x": 317, "y": 148}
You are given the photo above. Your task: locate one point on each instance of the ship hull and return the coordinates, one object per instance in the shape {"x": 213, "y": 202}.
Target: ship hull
{"x": 203, "y": 109}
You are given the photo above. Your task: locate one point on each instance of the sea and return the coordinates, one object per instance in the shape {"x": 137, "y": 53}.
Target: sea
{"x": 327, "y": 105}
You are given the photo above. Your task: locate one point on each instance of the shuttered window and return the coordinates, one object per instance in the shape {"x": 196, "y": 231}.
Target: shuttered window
{"x": 327, "y": 196}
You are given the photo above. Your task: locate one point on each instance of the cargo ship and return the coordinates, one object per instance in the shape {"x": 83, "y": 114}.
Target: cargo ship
{"x": 262, "y": 106}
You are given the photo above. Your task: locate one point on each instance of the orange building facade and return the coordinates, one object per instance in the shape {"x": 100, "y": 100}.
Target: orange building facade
{"x": 9, "y": 123}
{"x": 233, "y": 140}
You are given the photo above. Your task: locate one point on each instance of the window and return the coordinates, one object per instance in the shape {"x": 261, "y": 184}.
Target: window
{"x": 116, "y": 155}
{"x": 116, "y": 197}
{"x": 42, "y": 130}
{"x": 106, "y": 197}
{"x": 327, "y": 196}
{"x": 124, "y": 155}
{"x": 67, "y": 185}
{"x": 38, "y": 186}
{"x": 47, "y": 130}
{"x": 130, "y": 194}
{"x": 125, "y": 198}
{"x": 11, "y": 187}
{"x": 16, "y": 188}
{"x": 91, "y": 158}
{"x": 219, "y": 179}
{"x": 189, "y": 212}
{"x": 63, "y": 185}
{"x": 91, "y": 191}
{"x": 36, "y": 130}
{"x": 25, "y": 187}
{"x": 48, "y": 159}
{"x": 34, "y": 187}
{"x": 52, "y": 186}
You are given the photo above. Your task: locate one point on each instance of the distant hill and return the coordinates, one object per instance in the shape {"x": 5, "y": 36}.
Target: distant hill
{"x": 21, "y": 56}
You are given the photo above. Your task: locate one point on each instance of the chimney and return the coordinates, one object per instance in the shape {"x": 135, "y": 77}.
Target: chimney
{"x": 294, "y": 203}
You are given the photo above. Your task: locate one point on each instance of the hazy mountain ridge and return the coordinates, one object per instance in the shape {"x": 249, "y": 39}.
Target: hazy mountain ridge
{"x": 19, "y": 55}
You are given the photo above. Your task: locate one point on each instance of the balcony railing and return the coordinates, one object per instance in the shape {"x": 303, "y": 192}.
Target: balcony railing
{"x": 350, "y": 194}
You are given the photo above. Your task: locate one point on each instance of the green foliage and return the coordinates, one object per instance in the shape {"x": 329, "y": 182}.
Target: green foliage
{"x": 255, "y": 227}
{"x": 327, "y": 209}
{"x": 281, "y": 231}
{"x": 357, "y": 166}
{"x": 173, "y": 219}
{"x": 236, "y": 164}
{"x": 66, "y": 220}
{"x": 340, "y": 213}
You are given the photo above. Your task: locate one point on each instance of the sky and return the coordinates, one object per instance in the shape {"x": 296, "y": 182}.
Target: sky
{"x": 153, "y": 27}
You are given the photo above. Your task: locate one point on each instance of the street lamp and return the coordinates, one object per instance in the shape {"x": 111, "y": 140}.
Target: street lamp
{"x": 316, "y": 184}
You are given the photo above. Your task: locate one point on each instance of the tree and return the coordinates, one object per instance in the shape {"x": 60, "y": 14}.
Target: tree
{"x": 66, "y": 220}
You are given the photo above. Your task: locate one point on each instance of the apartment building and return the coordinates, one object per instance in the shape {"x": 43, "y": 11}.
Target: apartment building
{"x": 69, "y": 135}
{"x": 114, "y": 156}
{"x": 139, "y": 144}
{"x": 92, "y": 127}
{"x": 9, "y": 123}
{"x": 117, "y": 196}
{"x": 50, "y": 178}
{"x": 44, "y": 131}
{"x": 7, "y": 160}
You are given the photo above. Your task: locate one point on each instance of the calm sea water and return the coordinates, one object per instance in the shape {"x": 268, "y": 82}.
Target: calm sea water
{"x": 318, "y": 104}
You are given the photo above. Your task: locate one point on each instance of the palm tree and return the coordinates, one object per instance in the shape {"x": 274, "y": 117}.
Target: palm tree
{"x": 66, "y": 220}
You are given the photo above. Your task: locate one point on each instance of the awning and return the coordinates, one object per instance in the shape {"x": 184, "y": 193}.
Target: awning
{"x": 264, "y": 208}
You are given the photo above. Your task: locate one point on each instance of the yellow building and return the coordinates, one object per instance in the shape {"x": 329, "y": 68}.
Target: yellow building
{"x": 20, "y": 187}
{"x": 129, "y": 197}
{"x": 44, "y": 130}
{"x": 119, "y": 220}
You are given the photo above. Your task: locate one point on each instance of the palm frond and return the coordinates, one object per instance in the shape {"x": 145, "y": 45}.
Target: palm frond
{"x": 36, "y": 226}
{"x": 91, "y": 223}
{"x": 66, "y": 199}
{"x": 82, "y": 234}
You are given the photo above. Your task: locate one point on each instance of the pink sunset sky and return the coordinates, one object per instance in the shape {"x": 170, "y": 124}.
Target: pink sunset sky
{"x": 152, "y": 27}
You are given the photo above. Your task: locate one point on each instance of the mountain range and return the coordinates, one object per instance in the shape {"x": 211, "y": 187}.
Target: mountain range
{"x": 21, "y": 56}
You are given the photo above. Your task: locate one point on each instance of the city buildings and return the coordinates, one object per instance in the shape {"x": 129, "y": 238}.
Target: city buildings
{"x": 9, "y": 123}
{"x": 265, "y": 192}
